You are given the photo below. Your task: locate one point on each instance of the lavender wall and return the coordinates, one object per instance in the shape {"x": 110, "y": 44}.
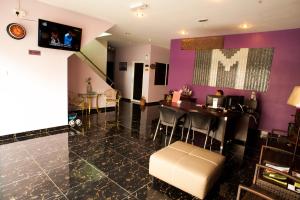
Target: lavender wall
{"x": 285, "y": 73}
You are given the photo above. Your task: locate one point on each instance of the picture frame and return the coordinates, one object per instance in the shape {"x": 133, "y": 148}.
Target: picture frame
{"x": 123, "y": 66}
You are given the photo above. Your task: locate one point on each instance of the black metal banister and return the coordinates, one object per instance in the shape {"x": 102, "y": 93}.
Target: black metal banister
{"x": 98, "y": 69}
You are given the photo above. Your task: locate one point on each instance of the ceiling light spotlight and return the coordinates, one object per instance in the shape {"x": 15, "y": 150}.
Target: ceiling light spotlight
{"x": 139, "y": 13}
{"x": 138, "y": 9}
{"x": 183, "y": 32}
{"x": 245, "y": 26}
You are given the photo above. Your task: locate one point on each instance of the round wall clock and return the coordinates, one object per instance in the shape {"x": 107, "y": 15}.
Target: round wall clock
{"x": 16, "y": 31}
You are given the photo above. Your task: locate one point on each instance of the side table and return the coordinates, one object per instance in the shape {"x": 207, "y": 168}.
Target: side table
{"x": 88, "y": 97}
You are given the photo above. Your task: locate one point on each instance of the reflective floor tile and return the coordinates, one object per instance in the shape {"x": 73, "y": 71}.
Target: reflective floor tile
{"x": 17, "y": 171}
{"x": 131, "y": 176}
{"x": 37, "y": 187}
{"x": 132, "y": 151}
{"x": 74, "y": 174}
{"x": 97, "y": 190}
{"x": 108, "y": 161}
{"x": 53, "y": 160}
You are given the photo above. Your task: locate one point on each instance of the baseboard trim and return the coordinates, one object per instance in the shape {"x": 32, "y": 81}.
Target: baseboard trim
{"x": 124, "y": 99}
{"x": 5, "y": 139}
{"x": 152, "y": 103}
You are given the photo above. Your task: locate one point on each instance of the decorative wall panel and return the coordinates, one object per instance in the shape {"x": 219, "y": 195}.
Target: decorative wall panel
{"x": 202, "y": 43}
{"x": 244, "y": 68}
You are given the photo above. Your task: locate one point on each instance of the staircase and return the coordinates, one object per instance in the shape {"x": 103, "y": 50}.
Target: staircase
{"x": 96, "y": 69}
{"x": 90, "y": 62}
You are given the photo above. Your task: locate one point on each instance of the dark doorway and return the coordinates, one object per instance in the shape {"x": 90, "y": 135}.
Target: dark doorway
{"x": 110, "y": 72}
{"x": 138, "y": 80}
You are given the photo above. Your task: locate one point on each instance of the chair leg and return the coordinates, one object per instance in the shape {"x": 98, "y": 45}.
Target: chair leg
{"x": 193, "y": 135}
{"x": 158, "y": 124}
{"x": 173, "y": 129}
{"x": 187, "y": 135}
{"x": 211, "y": 140}
{"x": 205, "y": 141}
{"x": 182, "y": 133}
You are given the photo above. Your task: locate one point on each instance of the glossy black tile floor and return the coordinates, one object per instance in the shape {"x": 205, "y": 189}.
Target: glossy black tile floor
{"x": 106, "y": 158}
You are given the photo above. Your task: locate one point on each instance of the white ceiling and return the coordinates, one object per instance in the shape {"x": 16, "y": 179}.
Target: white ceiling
{"x": 164, "y": 19}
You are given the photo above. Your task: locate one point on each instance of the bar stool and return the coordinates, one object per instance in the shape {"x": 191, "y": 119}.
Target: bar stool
{"x": 203, "y": 123}
{"x": 168, "y": 117}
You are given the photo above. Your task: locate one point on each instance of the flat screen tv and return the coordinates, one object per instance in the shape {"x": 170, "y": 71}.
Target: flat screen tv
{"x": 58, "y": 36}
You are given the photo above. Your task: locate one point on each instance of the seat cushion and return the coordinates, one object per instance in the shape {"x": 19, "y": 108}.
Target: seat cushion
{"x": 187, "y": 167}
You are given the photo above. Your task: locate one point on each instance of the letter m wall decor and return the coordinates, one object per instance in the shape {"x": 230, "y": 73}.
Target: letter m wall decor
{"x": 244, "y": 68}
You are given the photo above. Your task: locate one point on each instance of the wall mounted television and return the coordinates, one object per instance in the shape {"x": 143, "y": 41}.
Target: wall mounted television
{"x": 58, "y": 36}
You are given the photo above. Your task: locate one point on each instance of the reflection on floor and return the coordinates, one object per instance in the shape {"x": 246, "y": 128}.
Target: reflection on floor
{"x": 106, "y": 158}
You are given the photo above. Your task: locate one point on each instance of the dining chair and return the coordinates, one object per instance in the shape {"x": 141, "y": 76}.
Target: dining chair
{"x": 203, "y": 123}
{"x": 169, "y": 118}
{"x": 112, "y": 96}
{"x": 76, "y": 102}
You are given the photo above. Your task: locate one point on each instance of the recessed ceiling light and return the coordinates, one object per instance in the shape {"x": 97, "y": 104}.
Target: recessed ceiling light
{"x": 245, "y": 26}
{"x": 203, "y": 20}
{"x": 183, "y": 32}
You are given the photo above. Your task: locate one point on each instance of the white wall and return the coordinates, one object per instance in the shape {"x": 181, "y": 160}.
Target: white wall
{"x": 78, "y": 72}
{"x": 34, "y": 88}
{"x": 161, "y": 55}
{"x": 146, "y": 54}
{"x": 124, "y": 79}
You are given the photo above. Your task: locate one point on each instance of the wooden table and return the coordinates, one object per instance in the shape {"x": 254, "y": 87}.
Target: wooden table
{"x": 227, "y": 127}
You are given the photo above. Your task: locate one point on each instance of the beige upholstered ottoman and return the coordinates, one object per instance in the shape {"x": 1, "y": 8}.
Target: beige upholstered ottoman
{"x": 187, "y": 167}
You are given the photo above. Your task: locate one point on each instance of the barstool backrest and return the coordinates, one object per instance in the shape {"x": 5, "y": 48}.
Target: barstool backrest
{"x": 167, "y": 115}
{"x": 202, "y": 122}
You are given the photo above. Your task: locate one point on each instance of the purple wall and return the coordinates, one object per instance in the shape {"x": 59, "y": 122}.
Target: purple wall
{"x": 285, "y": 73}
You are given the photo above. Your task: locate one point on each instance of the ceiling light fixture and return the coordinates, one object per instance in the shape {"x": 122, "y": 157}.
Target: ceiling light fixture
{"x": 139, "y": 13}
{"x": 203, "y": 20}
{"x": 245, "y": 26}
{"x": 138, "y": 8}
{"x": 183, "y": 32}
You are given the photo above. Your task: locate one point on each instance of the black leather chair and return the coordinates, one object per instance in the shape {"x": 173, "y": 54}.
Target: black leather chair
{"x": 203, "y": 123}
{"x": 168, "y": 117}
